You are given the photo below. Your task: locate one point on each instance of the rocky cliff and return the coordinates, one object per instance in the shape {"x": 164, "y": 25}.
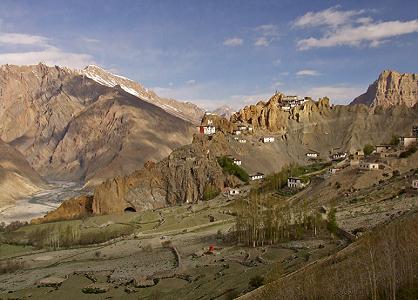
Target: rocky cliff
{"x": 390, "y": 89}
{"x": 74, "y": 128}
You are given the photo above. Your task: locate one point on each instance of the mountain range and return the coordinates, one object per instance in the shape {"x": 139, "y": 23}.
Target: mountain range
{"x": 136, "y": 149}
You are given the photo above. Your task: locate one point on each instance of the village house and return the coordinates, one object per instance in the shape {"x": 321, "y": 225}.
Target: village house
{"x": 295, "y": 182}
{"x": 234, "y": 192}
{"x": 250, "y": 128}
{"x": 333, "y": 170}
{"x": 238, "y": 162}
{"x": 237, "y": 132}
{"x": 312, "y": 154}
{"x": 339, "y": 155}
{"x": 257, "y": 176}
{"x": 242, "y": 127}
{"x": 408, "y": 141}
{"x": 288, "y": 102}
{"x": 242, "y": 141}
{"x": 369, "y": 166}
{"x": 359, "y": 153}
{"x": 383, "y": 148}
{"x": 208, "y": 129}
{"x": 267, "y": 139}
{"x": 415, "y": 184}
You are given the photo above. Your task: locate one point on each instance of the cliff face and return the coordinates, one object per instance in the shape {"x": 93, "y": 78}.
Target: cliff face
{"x": 74, "y": 208}
{"x": 182, "y": 177}
{"x": 73, "y": 128}
{"x": 390, "y": 89}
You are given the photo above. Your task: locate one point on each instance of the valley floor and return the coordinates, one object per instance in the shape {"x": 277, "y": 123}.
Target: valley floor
{"x": 38, "y": 205}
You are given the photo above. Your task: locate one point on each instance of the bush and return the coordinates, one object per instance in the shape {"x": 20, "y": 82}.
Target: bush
{"x": 368, "y": 149}
{"x": 230, "y": 168}
{"x": 394, "y": 141}
{"x": 332, "y": 221}
{"x": 256, "y": 281}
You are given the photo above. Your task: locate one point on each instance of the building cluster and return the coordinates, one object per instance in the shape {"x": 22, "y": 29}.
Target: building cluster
{"x": 289, "y": 102}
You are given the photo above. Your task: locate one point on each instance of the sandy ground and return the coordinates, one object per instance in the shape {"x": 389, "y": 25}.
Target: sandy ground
{"x": 39, "y": 204}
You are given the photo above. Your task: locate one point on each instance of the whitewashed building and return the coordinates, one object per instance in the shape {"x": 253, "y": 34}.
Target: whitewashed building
{"x": 268, "y": 139}
{"x": 234, "y": 192}
{"x": 339, "y": 155}
{"x": 312, "y": 154}
{"x": 257, "y": 176}
{"x": 369, "y": 166}
{"x": 208, "y": 129}
{"x": 295, "y": 182}
{"x": 237, "y": 132}
{"x": 238, "y": 162}
{"x": 333, "y": 170}
{"x": 415, "y": 184}
{"x": 242, "y": 141}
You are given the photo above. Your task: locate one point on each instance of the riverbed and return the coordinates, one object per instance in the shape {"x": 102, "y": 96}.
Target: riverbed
{"x": 39, "y": 204}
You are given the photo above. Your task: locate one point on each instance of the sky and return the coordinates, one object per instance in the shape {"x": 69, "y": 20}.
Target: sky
{"x": 220, "y": 52}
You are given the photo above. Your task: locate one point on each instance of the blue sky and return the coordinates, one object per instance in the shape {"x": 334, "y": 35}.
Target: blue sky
{"x": 220, "y": 52}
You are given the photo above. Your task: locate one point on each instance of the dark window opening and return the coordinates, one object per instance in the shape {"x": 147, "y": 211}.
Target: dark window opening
{"x": 130, "y": 209}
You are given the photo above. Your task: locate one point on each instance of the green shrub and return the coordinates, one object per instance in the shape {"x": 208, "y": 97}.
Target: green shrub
{"x": 230, "y": 168}
{"x": 332, "y": 221}
{"x": 368, "y": 149}
{"x": 394, "y": 141}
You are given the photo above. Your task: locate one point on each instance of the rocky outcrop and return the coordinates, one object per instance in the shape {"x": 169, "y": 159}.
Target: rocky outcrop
{"x": 182, "y": 177}
{"x": 390, "y": 89}
{"x": 74, "y": 128}
{"x": 74, "y": 208}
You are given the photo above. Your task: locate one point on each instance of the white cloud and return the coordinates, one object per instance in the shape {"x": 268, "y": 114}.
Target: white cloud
{"x": 307, "y": 72}
{"x": 42, "y": 51}
{"x": 22, "y": 39}
{"x": 50, "y": 56}
{"x": 191, "y": 82}
{"x": 330, "y": 17}
{"x": 233, "y": 42}
{"x": 370, "y": 34}
{"x": 267, "y": 34}
{"x": 261, "y": 42}
{"x": 348, "y": 28}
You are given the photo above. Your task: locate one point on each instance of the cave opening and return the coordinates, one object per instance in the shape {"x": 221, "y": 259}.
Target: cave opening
{"x": 130, "y": 209}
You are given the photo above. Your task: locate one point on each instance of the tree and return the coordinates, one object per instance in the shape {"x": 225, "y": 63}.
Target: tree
{"x": 368, "y": 149}
{"x": 332, "y": 221}
{"x": 394, "y": 141}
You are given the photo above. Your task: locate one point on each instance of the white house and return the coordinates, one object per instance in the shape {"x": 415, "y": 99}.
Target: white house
{"x": 268, "y": 139}
{"x": 242, "y": 127}
{"x": 250, "y": 128}
{"x": 312, "y": 154}
{"x": 257, "y": 176}
{"x": 369, "y": 166}
{"x": 237, "y": 132}
{"x": 415, "y": 184}
{"x": 295, "y": 182}
{"x": 339, "y": 155}
{"x": 238, "y": 162}
{"x": 408, "y": 141}
{"x": 333, "y": 170}
{"x": 242, "y": 141}
{"x": 234, "y": 192}
{"x": 209, "y": 129}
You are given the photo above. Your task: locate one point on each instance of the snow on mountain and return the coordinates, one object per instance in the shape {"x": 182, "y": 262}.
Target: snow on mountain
{"x": 184, "y": 110}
